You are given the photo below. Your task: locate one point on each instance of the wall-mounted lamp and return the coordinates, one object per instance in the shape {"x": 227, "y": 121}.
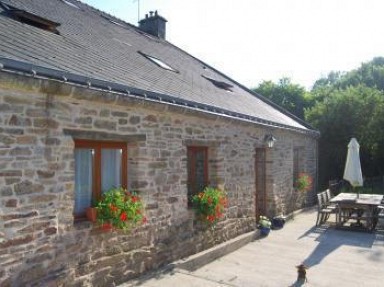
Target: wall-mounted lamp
{"x": 269, "y": 140}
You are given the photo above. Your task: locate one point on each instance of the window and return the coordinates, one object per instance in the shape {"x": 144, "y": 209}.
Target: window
{"x": 158, "y": 62}
{"x": 99, "y": 166}
{"x": 221, "y": 85}
{"x": 30, "y": 18}
{"x": 197, "y": 170}
{"x": 70, "y": 4}
{"x": 112, "y": 21}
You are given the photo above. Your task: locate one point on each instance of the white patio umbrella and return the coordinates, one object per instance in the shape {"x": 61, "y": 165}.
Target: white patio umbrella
{"x": 352, "y": 171}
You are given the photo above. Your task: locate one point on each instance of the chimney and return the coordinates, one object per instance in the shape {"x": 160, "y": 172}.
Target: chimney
{"x": 154, "y": 25}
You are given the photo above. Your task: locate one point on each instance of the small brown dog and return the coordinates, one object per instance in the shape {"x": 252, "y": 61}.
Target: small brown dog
{"x": 301, "y": 275}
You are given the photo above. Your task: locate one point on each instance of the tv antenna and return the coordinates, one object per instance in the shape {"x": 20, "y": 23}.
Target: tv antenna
{"x": 138, "y": 9}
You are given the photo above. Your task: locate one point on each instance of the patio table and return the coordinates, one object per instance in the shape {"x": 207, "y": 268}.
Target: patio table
{"x": 362, "y": 209}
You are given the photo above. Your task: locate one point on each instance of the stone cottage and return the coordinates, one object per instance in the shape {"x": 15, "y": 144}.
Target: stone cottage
{"x": 87, "y": 102}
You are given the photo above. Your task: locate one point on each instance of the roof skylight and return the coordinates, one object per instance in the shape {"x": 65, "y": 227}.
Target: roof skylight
{"x": 116, "y": 23}
{"x": 122, "y": 42}
{"x": 158, "y": 62}
{"x": 31, "y": 19}
{"x": 112, "y": 21}
{"x": 70, "y": 4}
{"x": 219, "y": 84}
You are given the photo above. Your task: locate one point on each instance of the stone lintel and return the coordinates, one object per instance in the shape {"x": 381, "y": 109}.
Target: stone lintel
{"x": 93, "y": 135}
{"x": 208, "y": 143}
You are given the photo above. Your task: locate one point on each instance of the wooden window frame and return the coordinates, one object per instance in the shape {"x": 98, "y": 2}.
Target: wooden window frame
{"x": 191, "y": 162}
{"x": 97, "y": 146}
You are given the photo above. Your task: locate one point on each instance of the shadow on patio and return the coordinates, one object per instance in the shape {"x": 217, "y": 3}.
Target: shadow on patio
{"x": 329, "y": 239}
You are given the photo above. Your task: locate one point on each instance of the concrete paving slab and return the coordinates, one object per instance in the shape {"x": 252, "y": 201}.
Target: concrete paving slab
{"x": 334, "y": 257}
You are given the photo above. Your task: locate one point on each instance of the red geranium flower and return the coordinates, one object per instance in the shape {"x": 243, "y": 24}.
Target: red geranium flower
{"x": 123, "y": 216}
{"x": 112, "y": 207}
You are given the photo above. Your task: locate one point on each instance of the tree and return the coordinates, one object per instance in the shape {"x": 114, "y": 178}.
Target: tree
{"x": 341, "y": 115}
{"x": 341, "y": 105}
{"x": 290, "y": 96}
{"x": 350, "y": 104}
{"x": 370, "y": 74}
{"x": 329, "y": 81}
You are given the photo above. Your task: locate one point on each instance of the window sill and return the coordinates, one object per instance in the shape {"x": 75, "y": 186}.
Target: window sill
{"x": 82, "y": 224}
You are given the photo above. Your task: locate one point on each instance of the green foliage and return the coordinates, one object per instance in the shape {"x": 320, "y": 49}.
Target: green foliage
{"x": 304, "y": 182}
{"x": 342, "y": 115}
{"x": 291, "y": 97}
{"x": 349, "y": 105}
{"x": 341, "y": 105}
{"x": 356, "y": 111}
{"x": 209, "y": 205}
{"x": 264, "y": 222}
{"x": 370, "y": 74}
{"x": 330, "y": 81}
{"x": 120, "y": 209}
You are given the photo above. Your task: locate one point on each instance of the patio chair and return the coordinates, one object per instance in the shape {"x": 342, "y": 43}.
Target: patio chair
{"x": 380, "y": 215}
{"x": 323, "y": 211}
{"x": 328, "y": 196}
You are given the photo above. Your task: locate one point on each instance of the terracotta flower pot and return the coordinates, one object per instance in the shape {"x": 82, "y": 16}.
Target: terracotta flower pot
{"x": 107, "y": 227}
{"x": 91, "y": 213}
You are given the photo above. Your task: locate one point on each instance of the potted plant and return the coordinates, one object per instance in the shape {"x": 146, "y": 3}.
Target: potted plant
{"x": 209, "y": 205}
{"x": 264, "y": 225}
{"x": 120, "y": 209}
{"x": 303, "y": 182}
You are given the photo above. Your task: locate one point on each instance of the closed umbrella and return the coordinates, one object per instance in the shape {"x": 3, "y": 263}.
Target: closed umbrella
{"x": 352, "y": 171}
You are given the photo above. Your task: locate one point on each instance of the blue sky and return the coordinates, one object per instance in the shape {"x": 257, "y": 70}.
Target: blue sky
{"x": 256, "y": 40}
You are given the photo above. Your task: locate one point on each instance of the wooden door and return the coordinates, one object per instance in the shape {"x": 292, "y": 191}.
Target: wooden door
{"x": 260, "y": 176}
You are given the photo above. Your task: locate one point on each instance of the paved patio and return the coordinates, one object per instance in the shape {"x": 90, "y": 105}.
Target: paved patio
{"x": 335, "y": 258}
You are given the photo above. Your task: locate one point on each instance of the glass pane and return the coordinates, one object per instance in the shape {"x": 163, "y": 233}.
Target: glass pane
{"x": 110, "y": 168}
{"x": 199, "y": 170}
{"x": 83, "y": 179}
{"x": 196, "y": 171}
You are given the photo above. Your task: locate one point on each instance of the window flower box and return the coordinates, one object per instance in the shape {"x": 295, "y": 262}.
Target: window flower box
{"x": 209, "y": 205}
{"x": 120, "y": 209}
{"x": 91, "y": 213}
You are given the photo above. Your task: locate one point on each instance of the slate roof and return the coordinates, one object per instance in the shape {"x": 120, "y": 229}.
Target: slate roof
{"x": 95, "y": 47}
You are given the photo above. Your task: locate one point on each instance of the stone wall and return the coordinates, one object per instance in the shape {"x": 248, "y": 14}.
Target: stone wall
{"x": 40, "y": 244}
